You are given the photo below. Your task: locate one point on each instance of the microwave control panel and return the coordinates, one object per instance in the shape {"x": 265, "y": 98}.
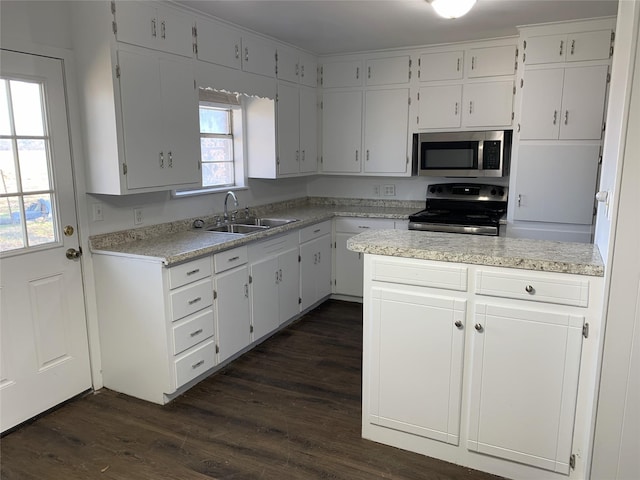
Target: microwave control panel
{"x": 491, "y": 155}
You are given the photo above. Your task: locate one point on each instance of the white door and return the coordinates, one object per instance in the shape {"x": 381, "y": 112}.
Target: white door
{"x": 541, "y": 100}
{"x": 308, "y": 130}
{"x": 288, "y": 129}
{"x": 265, "y": 311}
{"x": 488, "y": 104}
{"x": 348, "y": 268}
{"x": 232, "y": 311}
{"x": 288, "y": 284}
{"x": 440, "y": 106}
{"x": 341, "y": 131}
{"x": 45, "y": 357}
{"x": 583, "y": 97}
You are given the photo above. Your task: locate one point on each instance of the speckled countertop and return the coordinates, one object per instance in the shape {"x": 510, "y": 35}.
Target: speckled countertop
{"x": 541, "y": 255}
{"x": 177, "y": 242}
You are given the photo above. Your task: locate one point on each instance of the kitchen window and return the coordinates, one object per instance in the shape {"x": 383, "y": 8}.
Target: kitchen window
{"x": 221, "y": 151}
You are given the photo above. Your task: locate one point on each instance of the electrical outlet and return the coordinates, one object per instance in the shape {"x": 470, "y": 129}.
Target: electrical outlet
{"x": 98, "y": 215}
{"x": 389, "y": 190}
{"x": 137, "y": 216}
{"x": 376, "y": 190}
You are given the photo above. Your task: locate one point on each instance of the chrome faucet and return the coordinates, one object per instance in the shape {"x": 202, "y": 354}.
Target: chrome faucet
{"x": 235, "y": 202}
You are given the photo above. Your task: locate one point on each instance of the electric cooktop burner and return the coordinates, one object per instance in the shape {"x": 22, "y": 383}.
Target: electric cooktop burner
{"x": 462, "y": 208}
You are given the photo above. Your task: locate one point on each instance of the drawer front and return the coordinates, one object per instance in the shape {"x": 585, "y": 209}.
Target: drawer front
{"x": 230, "y": 259}
{"x": 359, "y": 225}
{"x": 191, "y": 298}
{"x": 192, "y": 330}
{"x": 281, "y": 243}
{"x": 314, "y": 231}
{"x": 194, "y": 363}
{"x": 415, "y": 272}
{"x": 189, "y": 272}
{"x": 537, "y": 288}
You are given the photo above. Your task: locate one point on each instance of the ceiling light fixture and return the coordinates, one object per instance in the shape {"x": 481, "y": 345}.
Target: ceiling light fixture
{"x": 452, "y": 8}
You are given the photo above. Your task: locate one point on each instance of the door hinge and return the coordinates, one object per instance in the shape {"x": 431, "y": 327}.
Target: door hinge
{"x": 524, "y": 57}
{"x": 608, "y": 78}
{"x": 513, "y": 115}
{"x": 604, "y": 126}
{"x": 335, "y": 282}
{"x": 299, "y": 301}
{"x": 521, "y": 82}
{"x": 572, "y": 461}
{"x": 195, "y": 48}
{"x": 322, "y": 105}
{"x": 114, "y": 26}
{"x": 215, "y": 294}
{"x": 418, "y": 120}
{"x": 517, "y": 52}
{"x": 409, "y": 99}
{"x": 514, "y": 89}
{"x": 250, "y": 279}
{"x": 113, "y": 10}
{"x": 118, "y": 71}
{"x": 299, "y": 259}
{"x": 516, "y": 65}
{"x": 585, "y": 330}
{"x": 418, "y": 96}
{"x": 611, "y": 51}
{"x": 277, "y": 98}
{"x": 613, "y": 36}
{"x": 124, "y": 168}
{"x": 217, "y": 348}
{"x": 335, "y": 244}
{"x": 194, "y": 32}
{"x": 195, "y": 86}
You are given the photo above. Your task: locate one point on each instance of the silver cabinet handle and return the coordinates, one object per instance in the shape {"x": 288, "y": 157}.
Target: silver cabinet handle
{"x": 458, "y": 65}
{"x": 458, "y": 324}
{"x": 456, "y": 109}
{"x": 233, "y": 259}
{"x": 519, "y": 200}
{"x": 317, "y": 230}
{"x": 163, "y": 29}
{"x": 529, "y": 289}
{"x": 170, "y": 159}
{"x": 473, "y": 63}
{"x": 471, "y": 106}
{"x": 315, "y": 258}
{"x": 280, "y": 276}
{"x": 356, "y": 155}
{"x": 573, "y": 46}
{"x": 566, "y": 117}
{"x": 237, "y": 51}
{"x": 297, "y": 155}
{"x": 478, "y": 327}
{"x": 561, "y": 47}
{"x": 555, "y": 117}
{"x": 367, "y": 155}
{"x": 246, "y": 54}
{"x": 193, "y": 272}
{"x": 161, "y": 159}
{"x": 153, "y": 28}
{"x": 357, "y": 73}
{"x": 276, "y": 272}
{"x": 197, "y": 364}
{"x": 303, "y": 155}
{"x": 363, "y": 226}
{"x": 302, "y": 71}
{"x": 195, "y": 300}
{"x": 368, "y": 72}
{"x": 246, "y": 290}
{"x": 318, "y": 257}
{"x": 197, "y": 332}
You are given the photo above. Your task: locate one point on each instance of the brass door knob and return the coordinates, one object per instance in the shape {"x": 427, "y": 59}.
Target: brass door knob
{"x": 72, "y": 253}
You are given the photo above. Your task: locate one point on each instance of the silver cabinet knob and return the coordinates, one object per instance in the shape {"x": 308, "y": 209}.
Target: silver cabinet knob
{"x": 458, "y": 324}
{"x": 529, "y": 289}
{"x": 478, "y": 327}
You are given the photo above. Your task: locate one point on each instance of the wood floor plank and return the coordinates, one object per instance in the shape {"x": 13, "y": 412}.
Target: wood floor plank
{"x": 289, "y": 409}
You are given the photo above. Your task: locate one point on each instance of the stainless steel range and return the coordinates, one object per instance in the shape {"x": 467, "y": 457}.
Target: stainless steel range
{"x": 462, "y": 208}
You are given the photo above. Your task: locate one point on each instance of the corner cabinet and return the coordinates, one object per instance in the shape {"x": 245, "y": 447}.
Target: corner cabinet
{"x": 140, "y": 106}
{"x": 498, "y": 365}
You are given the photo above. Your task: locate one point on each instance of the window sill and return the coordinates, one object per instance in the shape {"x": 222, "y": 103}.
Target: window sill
{"x": 205, "y": 191}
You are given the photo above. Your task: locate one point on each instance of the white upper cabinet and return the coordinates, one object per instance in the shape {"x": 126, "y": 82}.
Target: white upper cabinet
{"x": 385, "y": 131}
{"x": 488, "y": 104}
{"x": 308, "y": 70}
{"x": 564, "y": 103}
{"x": 440, "y": 106}
{"x": 258, "y": 55}
{"x": 149, "y": 25}
{"x": 288, "y": 129}
{"x": 388, "y": 71}
{"x": 341, "y": 132}
{"x": 491, "y": 61}
{"x": 219, "y": 44}
{"x": 341, "y": 74}
{"x": 441, "y": 66}
{"x": 572, "y": 47}
{"x": 296, "y": 66}
{"x": 308, "y": 130}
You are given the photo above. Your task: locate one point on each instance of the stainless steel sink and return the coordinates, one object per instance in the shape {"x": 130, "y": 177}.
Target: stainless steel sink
{"x": 237, "y": 228}
{"x": 271, "y": 222}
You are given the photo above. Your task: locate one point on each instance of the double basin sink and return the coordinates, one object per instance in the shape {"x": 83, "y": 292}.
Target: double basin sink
{"x": 250, "y": 225}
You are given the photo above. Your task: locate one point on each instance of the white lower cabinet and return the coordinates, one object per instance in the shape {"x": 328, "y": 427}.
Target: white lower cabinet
{"x": 315, "y": 263}
{"x": 490, "y": 368}
{"x": 275, "y": 280}
{"x": 231, "y": 302}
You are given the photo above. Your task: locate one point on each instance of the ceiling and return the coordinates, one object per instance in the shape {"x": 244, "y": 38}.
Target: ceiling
{"x": 340, "y": 26}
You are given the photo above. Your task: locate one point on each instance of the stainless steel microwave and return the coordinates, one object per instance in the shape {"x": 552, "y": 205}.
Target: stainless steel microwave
{"x": 462, "y": 154}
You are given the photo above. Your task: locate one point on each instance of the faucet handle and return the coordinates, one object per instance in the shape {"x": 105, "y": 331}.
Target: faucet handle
{"x": 234, "y": 214}
{"x": 246, "y": 212}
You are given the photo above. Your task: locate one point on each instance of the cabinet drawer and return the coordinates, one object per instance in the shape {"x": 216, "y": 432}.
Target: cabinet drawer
{"x": 231, "y": 258}
{"x": 192, "y": 364}
{"x": 315, "y": 231}
{"x": 359, "y": 225}
{"x": 282, "y": 243}
{"x": 189, "y": 272}
{"x": 548, "y": 289}
{"x": 191, "y": 298}
{"x": 192, "y": 330}
{"x": 415, "y": 272}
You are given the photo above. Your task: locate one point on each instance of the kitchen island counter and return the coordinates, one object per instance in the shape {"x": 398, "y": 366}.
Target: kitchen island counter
{"x": 541, "y": 255}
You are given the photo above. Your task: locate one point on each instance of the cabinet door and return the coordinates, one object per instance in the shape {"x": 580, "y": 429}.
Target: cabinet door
{"x": 288, "y": 284}
{"x": 308, "y": 130}
{"x": 348, "y": 268}
{"x": 416, "y": 378}
{"x": 440, "y": 107}
{"x": 308, "y": 70}
{"x": 524, "y": 384}
{"x": 388, "y": 71}
{"x": 265, "y": 314}
{"x": 288, "y": 129}
{"x": 315, "y": 270}
{"x": 181, "y": 140}
{"x": 342, "y": 74}
{"x": 137, "y": 23}
{"x": 385, "y": 132}
{"x": 219, "y": 44}
{"x": 323, "y": 270}
{"x": 258, "y": 56}
{"x": 583, "y": 99}
{"x": 288, "y": 65}
{"x": 541, "y": 103}
{"x": 492, "y": 61}
{"x": 341, "y": 131}
{"x": 141, "y": 107}
{"x": 544, "y": 49}
{"x": 232, "y": 311}
{"x": 589, "y": 46}
{"x": 175, "y": 32}
{"x": 441, "y": 66}
{"x": 488, "y": 104}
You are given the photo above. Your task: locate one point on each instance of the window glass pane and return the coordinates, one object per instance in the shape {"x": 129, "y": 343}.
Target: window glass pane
{"x": 10, "y": 228}
{"x": 8, "y": 180}
{"x": 214, "y": 120}
{"x": 27, "y": 108}
{"x": 216, "y": 149}
{"x": 34, "y": 168}
{"x": 214, "y": 174}
{"x": 5, "y": 126}
{"x": 37, "y": 211}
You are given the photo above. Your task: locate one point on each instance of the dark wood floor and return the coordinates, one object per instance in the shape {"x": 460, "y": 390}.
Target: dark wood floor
{"x": 289, "y": 409}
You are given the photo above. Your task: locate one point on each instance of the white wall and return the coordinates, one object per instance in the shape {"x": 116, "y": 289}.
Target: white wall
{"x": 37, "y": 22}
